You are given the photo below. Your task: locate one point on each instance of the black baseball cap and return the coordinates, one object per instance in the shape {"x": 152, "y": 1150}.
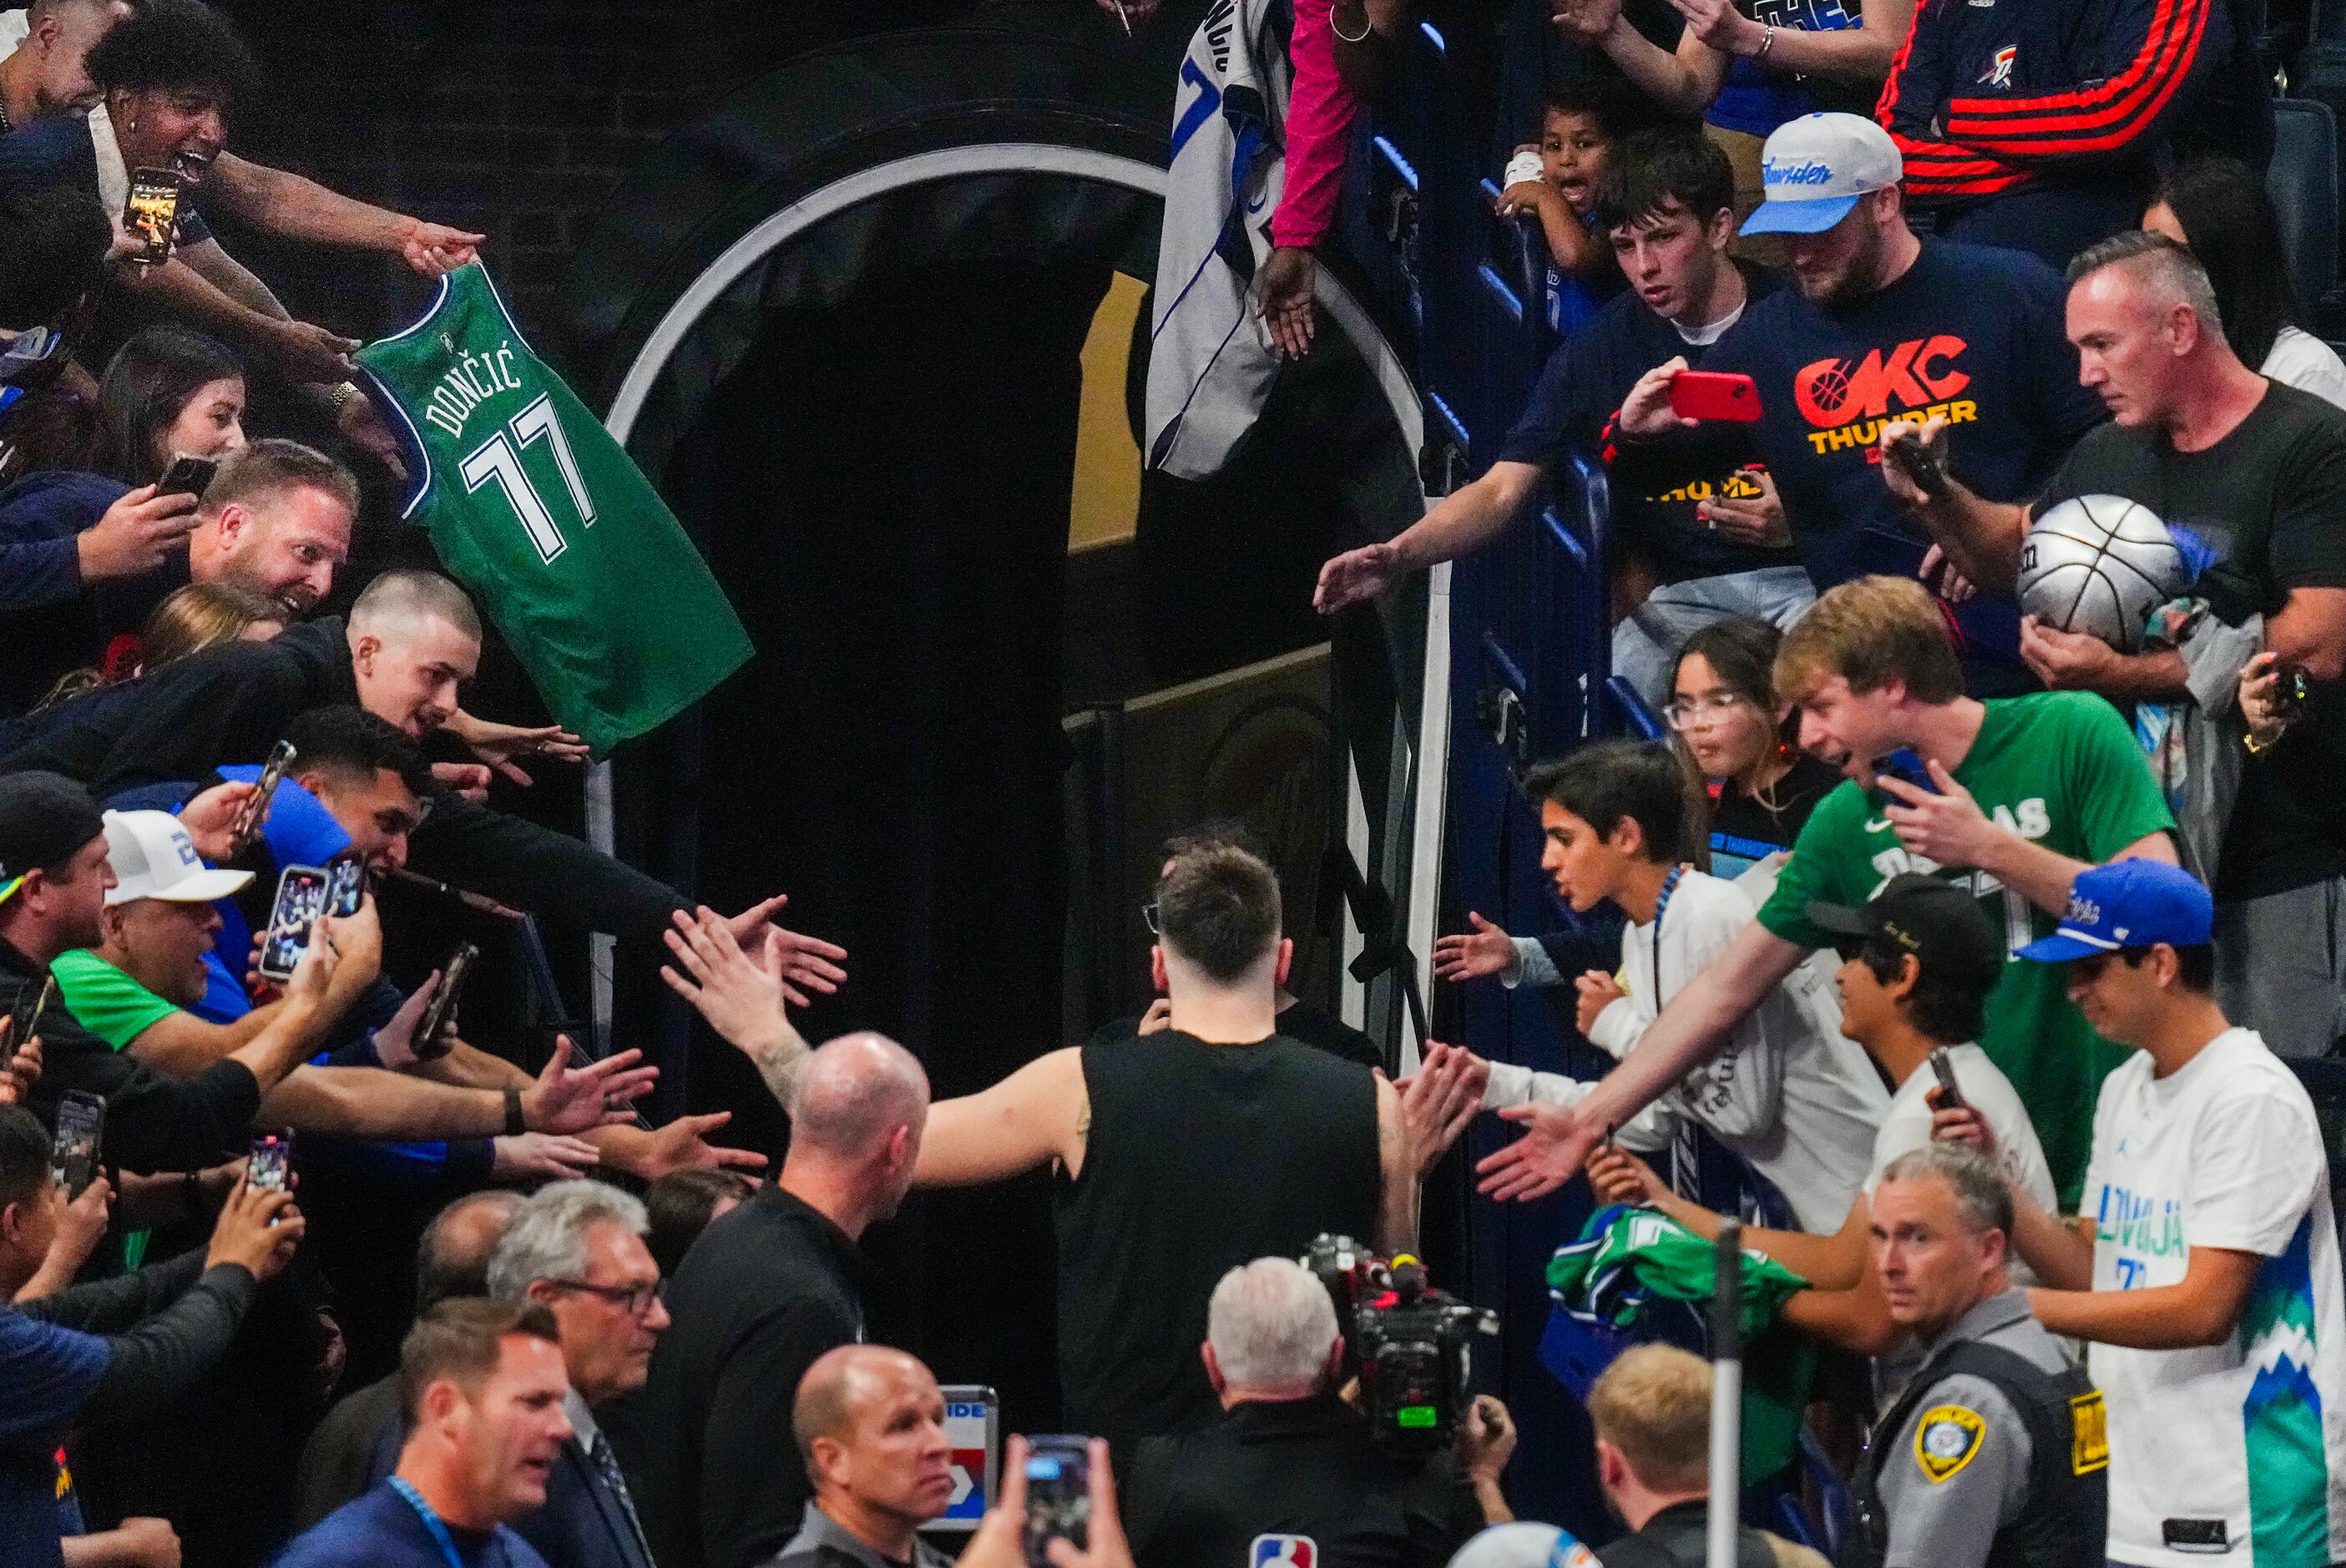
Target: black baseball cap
{"x": 1938, "y": 921}
{"x": 45, "y": 818}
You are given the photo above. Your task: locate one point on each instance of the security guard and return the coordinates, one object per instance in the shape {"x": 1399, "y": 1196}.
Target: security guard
{"x": 1995, "y": 1456}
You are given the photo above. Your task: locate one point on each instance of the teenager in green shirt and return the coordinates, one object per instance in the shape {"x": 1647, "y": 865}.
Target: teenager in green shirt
{"x": 2026, "y": 793}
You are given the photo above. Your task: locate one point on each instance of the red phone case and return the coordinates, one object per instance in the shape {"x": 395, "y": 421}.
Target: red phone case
{"x": 1709, "y": 394}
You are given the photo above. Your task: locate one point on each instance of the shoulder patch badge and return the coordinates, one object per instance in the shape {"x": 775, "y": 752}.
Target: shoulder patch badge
{"x": 2089, "y": 1441}
{"x": 1946, "y": 1439}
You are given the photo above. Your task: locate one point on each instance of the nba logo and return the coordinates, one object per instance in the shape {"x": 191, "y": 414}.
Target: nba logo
{"x": 1283, "y": 1552}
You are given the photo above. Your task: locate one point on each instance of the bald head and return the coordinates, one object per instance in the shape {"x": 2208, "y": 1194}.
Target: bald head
{"x": 452, "y": 1259}
{"x": 871, "y": 1424}
{"x": 856, "y": 1092}
{"x": 841, "y": 1383}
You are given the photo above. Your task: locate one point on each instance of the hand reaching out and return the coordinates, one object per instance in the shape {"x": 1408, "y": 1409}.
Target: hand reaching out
{"x": 1486, "y": 949}
{"x": 683, "y": 1145}
{"x": 1440, "y": 1099}
{"x": 431, "y": 249}
{"x": 807, "y": 961}
{"x": 533, "y": 1156}
{"x": 1355, "y": 576}
{"x": 1555, "y": 1142}
{"x": 1620, "y": 1177}
{"x": 566, "y": 1099}
{"x": 502, "y": 745}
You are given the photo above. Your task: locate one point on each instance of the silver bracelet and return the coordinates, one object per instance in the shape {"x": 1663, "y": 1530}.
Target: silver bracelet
{"x": 1767, "y": 41}
{"x": 1343, "y": 37}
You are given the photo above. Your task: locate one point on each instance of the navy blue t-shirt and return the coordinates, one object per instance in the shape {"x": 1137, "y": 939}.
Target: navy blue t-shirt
{"x": 46, "y": 1375}
{"x": 380, "y": 1529}
{"x": 1969, "y": 332}
{"x": 64, "y": 151}
{"x": 1656, "y": 487}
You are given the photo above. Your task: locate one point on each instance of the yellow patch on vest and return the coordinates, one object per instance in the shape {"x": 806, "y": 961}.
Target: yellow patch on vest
{"x": 2089, "y": 1439}
{"x": 1946, "y": 1439}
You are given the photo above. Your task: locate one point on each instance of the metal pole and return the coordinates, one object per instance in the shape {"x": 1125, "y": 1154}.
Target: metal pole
{"x": 1726, "y": 1397}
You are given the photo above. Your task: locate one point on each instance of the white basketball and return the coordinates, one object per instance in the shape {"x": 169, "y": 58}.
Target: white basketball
{"x": 2099, "y": 565}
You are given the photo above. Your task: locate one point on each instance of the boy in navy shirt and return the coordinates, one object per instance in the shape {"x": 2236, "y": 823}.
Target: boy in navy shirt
{"x": 1697, "y": 520}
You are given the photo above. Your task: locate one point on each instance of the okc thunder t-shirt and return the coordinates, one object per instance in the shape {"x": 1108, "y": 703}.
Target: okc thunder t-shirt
{"x": 1967, "y": 332}
{"x": 2271, "y": 500}
{"x": 2061, "y": 769}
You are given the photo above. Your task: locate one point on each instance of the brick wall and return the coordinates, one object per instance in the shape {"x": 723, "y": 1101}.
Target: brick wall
{"x": 513, "y": 117}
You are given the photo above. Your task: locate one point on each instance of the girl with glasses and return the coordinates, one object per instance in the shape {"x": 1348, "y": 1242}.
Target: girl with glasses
{"x": 1724, "y": 711}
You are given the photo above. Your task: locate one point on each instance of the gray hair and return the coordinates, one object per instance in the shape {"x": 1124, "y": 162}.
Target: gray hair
{"x": 1272, "y": 1325}
{"x": 406, "y": 594}
{"x": 1977, "y": 1181}
{"x": 2168, "y": 269}
{"x": 856, "y": 1091}
{"x": 547, "y": 1238}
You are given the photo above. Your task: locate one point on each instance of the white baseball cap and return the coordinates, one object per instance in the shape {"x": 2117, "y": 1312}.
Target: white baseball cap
{"x": 1814, "y": 169}
{"x": 1524, "y": 1545}
{"x": 154, "y": 858}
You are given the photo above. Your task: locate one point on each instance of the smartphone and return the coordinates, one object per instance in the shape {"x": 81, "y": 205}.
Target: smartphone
{"x": 428, "y": 1045}
{"x": 186, "y": 476}
{"x": 1917, "y": 462}
{"x": 22, "y": 1026}
{"x": 1950, "y": 1097}
{"x": 256, "y": 805}
{"x": 2292, "y": 690}
{"x": 152, "y": 215}
{"x": 346, "y": 886}
{"x": 27, "y": 350}
{"x": 272, "y": 1167}
{"x": 1059, "y": 1494}
{"x": 301, "y": 899}
{"x": 1710, "y": 394}
{"x": 81, "y": 1135}
{"x": 1906, "y": 766}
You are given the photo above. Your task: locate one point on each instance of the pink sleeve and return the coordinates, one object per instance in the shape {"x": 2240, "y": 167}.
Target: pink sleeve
{"x": 1320, "y": 110}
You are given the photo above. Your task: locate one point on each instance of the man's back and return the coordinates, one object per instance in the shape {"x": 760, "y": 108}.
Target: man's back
{"x": 765, "y": 1290}
{"x": 1198, "y": 1158}
{"x": 1303, "y": 1468}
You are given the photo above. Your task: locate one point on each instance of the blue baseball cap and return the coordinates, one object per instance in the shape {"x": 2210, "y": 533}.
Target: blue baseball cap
{"x": 2128, "y": 903}
{"x": 1814, "y": 169}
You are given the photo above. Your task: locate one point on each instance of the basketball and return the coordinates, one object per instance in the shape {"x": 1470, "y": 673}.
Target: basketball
{"x": 2099, "y": 565}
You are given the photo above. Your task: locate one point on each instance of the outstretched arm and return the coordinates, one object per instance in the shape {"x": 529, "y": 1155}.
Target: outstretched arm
{"x": 1041, "y": 1112}
{"x": 295, "y": 208}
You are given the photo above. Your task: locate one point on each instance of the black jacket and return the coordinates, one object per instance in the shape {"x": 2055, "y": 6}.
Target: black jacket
{"x": 1297, "y": 1467}
{"x": 230, "y": 704}
{"x": 153, "y": 1123}
{"x": 765, "y": 1290}
{"x": 349, "y": 1453}
{"x": 582, "y": 1523}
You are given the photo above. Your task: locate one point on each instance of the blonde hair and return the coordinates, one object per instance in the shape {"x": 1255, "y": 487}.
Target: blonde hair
{"x": 1653, "y": 1403}
{"x": 193, "y": 617}
{"x": 1871, "y": 631}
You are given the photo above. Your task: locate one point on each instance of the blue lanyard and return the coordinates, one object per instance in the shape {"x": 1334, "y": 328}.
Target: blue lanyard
{"x": 431, "y": 1520}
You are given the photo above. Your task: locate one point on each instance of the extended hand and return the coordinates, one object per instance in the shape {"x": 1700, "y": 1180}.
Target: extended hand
{"x": 1486, "y": 949}
{"x": 806, "y": 960}
{"x": 433, "y": 248}
{"x": 1355, "y": 576}
{"x": 568, "y": 1099}
{"x": 500, "y": 746}
{"x": 741, "y": 998}
{"x": 533, "y": 1156}
{"x": 470, "y": 779}
{"x": 363, "y": 425}
{"x": 1283, "y": 293}
{"x": 1441, "y": 1098}
{"x": 1948, "y": 827}
{"x": 683, "y": 1145}
{"x": 1585, "y": 22}
{"x": 1556, "y": 1140}
{"x": 301, "y": 352}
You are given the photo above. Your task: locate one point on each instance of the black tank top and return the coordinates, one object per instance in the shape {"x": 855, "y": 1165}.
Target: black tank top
{"x": 1199, "y": 1158}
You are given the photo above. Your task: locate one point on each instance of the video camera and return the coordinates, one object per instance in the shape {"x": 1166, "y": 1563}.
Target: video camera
{"x": 1405, "y": 1342}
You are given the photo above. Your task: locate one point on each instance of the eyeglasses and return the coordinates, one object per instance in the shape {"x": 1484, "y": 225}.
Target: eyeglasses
{"x": 1686, "y": 712}
{"x": 636, "y": 1299}
{"x": 1148, "y": 913}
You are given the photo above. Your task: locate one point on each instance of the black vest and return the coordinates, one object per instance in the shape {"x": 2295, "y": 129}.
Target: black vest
{"x": 1679, "y": 1537}
{"x": 2065, "y": 1522}
{"x": 1198, "y": 1158}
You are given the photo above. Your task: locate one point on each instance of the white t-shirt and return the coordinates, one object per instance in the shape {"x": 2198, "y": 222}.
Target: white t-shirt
{"x": 1907, "y": 1127}
{"x": 2247, "y": 1438}
{"x": 1798, "y": 1101}
{"x": 2302, "y": 360}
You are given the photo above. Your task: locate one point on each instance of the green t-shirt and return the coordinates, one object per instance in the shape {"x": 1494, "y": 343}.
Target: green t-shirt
{"x": 2061, "y": 769}
{"x": 105, "y": 1000}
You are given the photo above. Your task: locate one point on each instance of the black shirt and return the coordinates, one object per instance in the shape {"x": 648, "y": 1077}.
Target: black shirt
{"x": 1678, "y": 1537}
{"x": 1656, "y": 487}
{"x": 1745, "y": 829}
{"x": 765, "y": 1290}
{"x": 153, "y": 1123}
{"x": 1972, "y": 334}
{"x": 2270, "y": 499}
{"x": 1199, "y": 1158}
{"x": 1293, "y": 1467}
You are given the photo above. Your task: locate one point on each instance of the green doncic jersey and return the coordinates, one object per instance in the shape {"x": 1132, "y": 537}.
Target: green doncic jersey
{"x": 546, "y": 520}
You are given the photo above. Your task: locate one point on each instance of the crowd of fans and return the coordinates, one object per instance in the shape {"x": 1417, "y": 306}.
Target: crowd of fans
{"x": 2027, "y": 1170}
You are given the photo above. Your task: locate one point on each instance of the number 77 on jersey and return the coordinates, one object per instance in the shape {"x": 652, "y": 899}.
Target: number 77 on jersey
{"x": 548, "y": 523}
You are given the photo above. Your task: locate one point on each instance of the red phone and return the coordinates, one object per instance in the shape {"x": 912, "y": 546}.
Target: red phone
{"x": 1709, "y": 394}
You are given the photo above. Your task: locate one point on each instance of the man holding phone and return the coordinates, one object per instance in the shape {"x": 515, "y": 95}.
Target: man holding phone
{"x": 1699, "y": 519}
